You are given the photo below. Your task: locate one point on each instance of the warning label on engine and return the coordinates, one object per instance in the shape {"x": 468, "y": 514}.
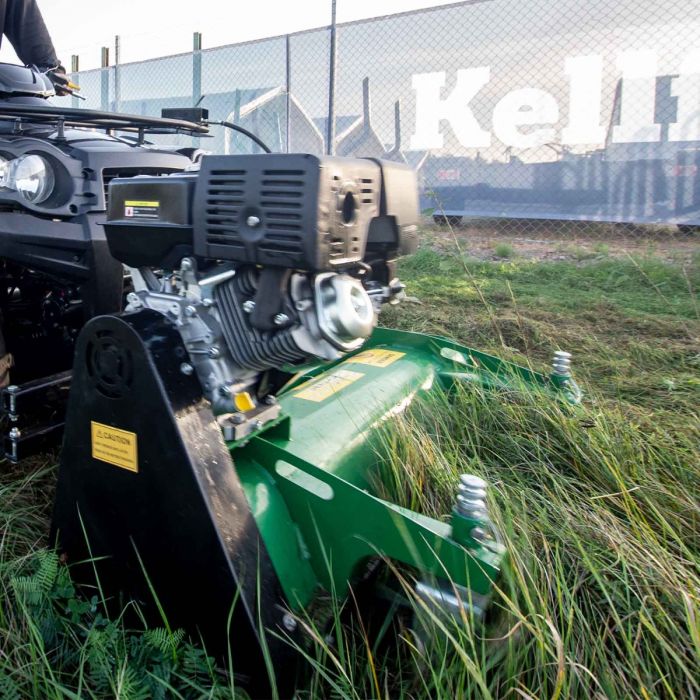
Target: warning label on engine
{"x": 141, "y": 209}
{"x": 327, "y": 385}
{"x": 376, "y": 357}
{"x": 114, "y": 446}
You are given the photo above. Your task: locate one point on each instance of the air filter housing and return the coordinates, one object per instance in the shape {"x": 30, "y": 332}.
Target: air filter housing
{"x": 285, "y": 210}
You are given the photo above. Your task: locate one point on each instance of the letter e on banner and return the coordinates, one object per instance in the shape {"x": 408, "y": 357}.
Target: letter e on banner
{"x": 525, "y": 107}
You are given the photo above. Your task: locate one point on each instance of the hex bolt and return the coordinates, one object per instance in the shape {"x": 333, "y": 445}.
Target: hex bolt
{"x": 561, "y": 364}
{"x": 186, "y": 368}
{"x": 12, "y": 389}
{"x": 206, "y": 303}
{"x": 133, "y": 299}
{"x": 281, "y": 319}
{"x": 237, "y": 418}
{"x": 214, "y": 352}
{"x": 185, "y": 265}
{"x": 253, "y": 221}
{"x": 290, "y": 624}
{"x": 191, "y": 310}
{"x": 15, "y": 434}
{"x": 224, "y": 390}
{"x": 270, "y": 400}
{"x": 248, "y": 306}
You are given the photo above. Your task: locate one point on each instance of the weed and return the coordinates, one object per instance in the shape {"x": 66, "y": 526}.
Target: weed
{"x": 503, "y": 250}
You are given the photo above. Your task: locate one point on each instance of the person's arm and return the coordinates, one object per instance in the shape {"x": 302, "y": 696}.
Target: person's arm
{"x": 25, "y": 28}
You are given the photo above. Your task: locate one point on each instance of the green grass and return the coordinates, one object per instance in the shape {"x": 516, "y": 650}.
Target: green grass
{"x": 503, "y": 250}
{"x": 599, "y": 508}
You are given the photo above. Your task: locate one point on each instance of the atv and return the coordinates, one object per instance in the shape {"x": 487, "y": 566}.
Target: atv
{"x": 55, "y": 169}
{"x": 201, "y": 332}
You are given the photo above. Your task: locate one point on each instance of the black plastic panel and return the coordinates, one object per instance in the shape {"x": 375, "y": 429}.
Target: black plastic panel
{"x": 285, "y": 210}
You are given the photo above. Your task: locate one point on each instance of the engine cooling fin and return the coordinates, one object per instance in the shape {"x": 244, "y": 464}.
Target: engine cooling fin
{"x": 251, "y": 348}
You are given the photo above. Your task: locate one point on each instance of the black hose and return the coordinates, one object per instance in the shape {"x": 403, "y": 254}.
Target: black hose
{"x": 245, "y": 132}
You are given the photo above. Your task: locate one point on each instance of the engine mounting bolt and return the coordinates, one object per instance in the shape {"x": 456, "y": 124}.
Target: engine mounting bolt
{"x": 12, "y": 389}
{"x": 15, "y": 434}
{"x": 281, "y": 319}
{"x": 186, "y": 265}
{"x": 186, "y": 368}
{"x": 253, "y": 221}
{"x": 270, "y": 400}
{"x": 290, "y": 624}
{"x": 561, "y": 364}
{"x": 214, "y": 352}
{"x": 191, "y": 310}
{"x": 206, "y": 303}
{"x": 248, "y": 306}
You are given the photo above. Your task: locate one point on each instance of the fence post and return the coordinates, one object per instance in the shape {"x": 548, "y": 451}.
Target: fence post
{"x": 196, "y": 75}
{"x": 288, "y": 77}
{"x": 117, "y": 82}
{"x": 330, "y": 134}
{"x": 104, "y": 78}
{"x": 75, "y": 76}
{"x": 196, "y": 67}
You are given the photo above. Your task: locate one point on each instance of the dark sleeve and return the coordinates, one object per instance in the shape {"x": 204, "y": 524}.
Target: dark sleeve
{"x": 25, "y": 28}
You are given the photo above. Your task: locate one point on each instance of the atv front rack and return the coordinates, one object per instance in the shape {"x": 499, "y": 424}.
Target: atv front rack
{"x": 61, "y": 117}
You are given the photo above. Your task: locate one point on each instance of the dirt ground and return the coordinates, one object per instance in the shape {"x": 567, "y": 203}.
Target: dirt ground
{"x": 551, "y": 241}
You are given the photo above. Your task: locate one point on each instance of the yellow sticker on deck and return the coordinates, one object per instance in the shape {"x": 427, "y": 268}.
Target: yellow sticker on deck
{"x": 376, "y": 357}
{"x": 327, "y": 385}
{"x": 114, "y": 446}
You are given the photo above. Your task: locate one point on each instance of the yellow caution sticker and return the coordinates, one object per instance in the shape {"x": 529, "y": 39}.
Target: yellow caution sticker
{"x": 327, "y": 385}
{"x": 376, "y": 357}
{"x": 141, "y": 209}
{"x": 114, "y": 446}
{"x": 141, "y": 203}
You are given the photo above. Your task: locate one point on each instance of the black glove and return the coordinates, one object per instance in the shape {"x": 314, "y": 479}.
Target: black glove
{"x": 61, "y": 84}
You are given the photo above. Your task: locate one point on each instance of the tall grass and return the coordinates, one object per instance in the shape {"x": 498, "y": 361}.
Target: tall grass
{"x": 598, "y": 507}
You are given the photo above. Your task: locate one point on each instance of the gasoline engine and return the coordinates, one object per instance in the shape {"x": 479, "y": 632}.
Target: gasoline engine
{"x": 222, "y": 449}
{"x": 264, "y": 263}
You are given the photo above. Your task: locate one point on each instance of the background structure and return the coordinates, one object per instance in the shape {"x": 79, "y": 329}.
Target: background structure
{"x": 530, "y": 110}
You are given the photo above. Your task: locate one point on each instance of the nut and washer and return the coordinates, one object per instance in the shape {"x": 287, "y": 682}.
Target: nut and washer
{"x": 290, "y": 624}
{"x": 248, "y": 306}
{"x": 281, "y": 319}
{"x": 471, "y": 497}
{"x": 561, "y": 364}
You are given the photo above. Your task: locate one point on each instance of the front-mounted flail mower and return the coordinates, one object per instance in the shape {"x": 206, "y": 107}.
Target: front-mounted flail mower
{"x": 221, "y": 436}
{"x": 221, "y": 455}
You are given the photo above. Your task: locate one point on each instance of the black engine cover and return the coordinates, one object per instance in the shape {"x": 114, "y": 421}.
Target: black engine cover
{"x": 285, "y": 210}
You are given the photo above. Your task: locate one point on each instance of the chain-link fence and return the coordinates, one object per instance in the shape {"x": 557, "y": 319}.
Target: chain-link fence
{"x": 548, "y": 115}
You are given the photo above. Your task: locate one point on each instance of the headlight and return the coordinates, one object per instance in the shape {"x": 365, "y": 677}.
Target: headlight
{"x": 32, "y": 176}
